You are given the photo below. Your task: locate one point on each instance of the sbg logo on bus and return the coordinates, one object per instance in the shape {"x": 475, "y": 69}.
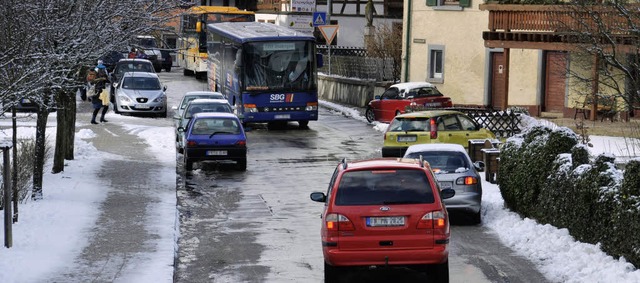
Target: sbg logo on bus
{"x": 281, "y": 97}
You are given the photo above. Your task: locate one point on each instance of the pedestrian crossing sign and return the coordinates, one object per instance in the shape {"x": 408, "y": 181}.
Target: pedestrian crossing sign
{"x": 319, "y": 18}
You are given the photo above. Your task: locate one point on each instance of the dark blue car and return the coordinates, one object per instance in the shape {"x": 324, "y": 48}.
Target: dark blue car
{"x": 214, "y": 137}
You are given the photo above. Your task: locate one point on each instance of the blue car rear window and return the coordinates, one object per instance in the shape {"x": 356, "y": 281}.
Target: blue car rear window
{"x": 208, "y": 126}
{"x": 384, "y": 187}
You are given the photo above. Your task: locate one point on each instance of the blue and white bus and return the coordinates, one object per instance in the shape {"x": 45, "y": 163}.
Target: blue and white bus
{"x": 268, "y": 72}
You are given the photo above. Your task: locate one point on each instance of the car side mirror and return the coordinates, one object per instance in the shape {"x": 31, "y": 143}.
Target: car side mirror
{"x": 479, "y": 165}
{"x": 318, "y": 197}
{"x": 180, "y": 129}
{"x": 377, "y": 97}
{"x": 447, "y": 193}
{"x": 164, "y": 88}
{"x": 115, "y": 85}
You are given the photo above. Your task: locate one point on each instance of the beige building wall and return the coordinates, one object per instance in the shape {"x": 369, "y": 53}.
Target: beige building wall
{"x": 466, "y": 60}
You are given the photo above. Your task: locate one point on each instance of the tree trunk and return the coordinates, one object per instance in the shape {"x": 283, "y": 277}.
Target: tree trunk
{"x": 40, "y": 151}
{"x": 69, "y": 123}
{"x": 61, "y": 134}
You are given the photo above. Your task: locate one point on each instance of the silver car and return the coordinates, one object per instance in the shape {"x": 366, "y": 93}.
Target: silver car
{"x": 140, "y": 93}
{"x": 199, "y": 106}
{"x": 454, "y": 170}
{"x": 187, "y": 97}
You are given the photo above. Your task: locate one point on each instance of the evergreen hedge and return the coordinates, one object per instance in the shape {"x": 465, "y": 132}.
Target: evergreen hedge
{"x": 548, "y": 175}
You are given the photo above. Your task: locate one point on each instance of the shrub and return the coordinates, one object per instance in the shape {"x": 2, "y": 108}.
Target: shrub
{"x": 549, "y": 176}
{"x": 26, "y": 148}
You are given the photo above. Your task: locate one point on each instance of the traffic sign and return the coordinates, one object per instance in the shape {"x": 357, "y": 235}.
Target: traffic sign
{"x": 329, "y": 32}
{"x": 319, "y": 18}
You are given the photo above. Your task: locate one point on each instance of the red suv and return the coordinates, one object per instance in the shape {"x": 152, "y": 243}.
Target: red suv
{"x": 385, "y": 212}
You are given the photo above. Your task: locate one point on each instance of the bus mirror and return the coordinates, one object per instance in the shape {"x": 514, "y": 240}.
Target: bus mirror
{"x": 319, "y": 60}
{"x": 198, "y": 26}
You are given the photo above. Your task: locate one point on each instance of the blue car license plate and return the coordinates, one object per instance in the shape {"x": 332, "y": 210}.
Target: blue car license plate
{"x": 216, "y": 152}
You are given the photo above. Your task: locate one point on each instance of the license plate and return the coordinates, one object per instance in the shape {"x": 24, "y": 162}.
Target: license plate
{"x": 216, "y": 152}
{"x": 283, "y": 116}
{"x": 139, "y": 106}
{"x": 406, "y": 138}
{"x": 445, "y": 185}
{"x": 385, "y": 221}
{"x": 432, "y": 104}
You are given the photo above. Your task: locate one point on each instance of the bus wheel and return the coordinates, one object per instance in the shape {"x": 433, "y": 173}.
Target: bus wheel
{"x": 303, "y": 124}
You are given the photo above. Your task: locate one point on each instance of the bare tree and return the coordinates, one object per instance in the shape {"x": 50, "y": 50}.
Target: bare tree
{"x": 384, "y": 44}
{"x": 45, "y": 47}
{"x": 607, "y": 36}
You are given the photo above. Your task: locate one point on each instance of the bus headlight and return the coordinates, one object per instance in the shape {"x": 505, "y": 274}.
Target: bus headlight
{"x": 312, "y": 106}
{"x": 252, "y": 108}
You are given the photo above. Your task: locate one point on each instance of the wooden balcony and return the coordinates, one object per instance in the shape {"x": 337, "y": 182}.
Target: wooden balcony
{"x": 559, "y": 27}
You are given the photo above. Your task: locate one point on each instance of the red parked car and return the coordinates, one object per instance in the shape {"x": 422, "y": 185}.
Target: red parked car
{"x": 385, "y": 212}
{"x": 397, "y": 97}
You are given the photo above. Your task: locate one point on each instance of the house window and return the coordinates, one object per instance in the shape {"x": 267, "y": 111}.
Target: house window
{"x": 436, "y": 64}
{"x": 449, "y": 4}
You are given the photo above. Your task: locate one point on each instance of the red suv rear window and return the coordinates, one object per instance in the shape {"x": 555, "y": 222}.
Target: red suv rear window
{"x": 384, "y": 187}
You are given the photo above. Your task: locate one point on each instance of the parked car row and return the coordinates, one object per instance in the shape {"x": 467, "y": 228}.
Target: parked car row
{"x": 394, "y": 211}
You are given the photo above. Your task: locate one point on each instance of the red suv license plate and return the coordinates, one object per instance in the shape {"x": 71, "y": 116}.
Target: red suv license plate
{"x": 385, "y": 221}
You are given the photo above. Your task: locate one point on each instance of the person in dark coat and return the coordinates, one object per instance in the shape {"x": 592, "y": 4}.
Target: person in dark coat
{"x": 101, "y": 81}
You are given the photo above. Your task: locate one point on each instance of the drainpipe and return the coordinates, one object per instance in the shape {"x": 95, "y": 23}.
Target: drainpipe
{"x": 407, "y": 42}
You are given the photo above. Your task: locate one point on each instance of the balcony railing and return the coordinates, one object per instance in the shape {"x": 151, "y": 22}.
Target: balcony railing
{"x": 562, "y": 18}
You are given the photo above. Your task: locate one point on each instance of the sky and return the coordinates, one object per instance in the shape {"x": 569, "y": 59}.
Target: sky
{"x": 50, "y": 233}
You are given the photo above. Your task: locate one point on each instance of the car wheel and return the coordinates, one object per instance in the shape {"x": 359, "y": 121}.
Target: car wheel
{"x": 115, "y": 107}
{"x": 157, "y": 69}
{"x": 476, "y": 218}
{"x": 303, "y": 124}
{"x": 438, "y": 272}
{"x": 330, "y": 273}
{"x": 200, "y": 75}
{"x": 187, "y": 72}
{"x": 168, "y": 69}
{"x": 188, "y": 164}
{"x": 370, "y": 115}
{"x": 242, "y": 164}
{"x": 163, "y": 114}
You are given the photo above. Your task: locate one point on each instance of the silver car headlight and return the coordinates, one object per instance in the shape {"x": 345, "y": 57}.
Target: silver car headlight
{"x": 159, "y": 98}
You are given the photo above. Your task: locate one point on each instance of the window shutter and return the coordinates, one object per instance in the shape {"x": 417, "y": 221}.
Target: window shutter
{"x": 432, "y": 2}
{"x": 465, "y": 3}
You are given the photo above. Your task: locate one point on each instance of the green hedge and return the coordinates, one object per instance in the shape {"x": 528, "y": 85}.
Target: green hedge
{"x": 547, "y": 175}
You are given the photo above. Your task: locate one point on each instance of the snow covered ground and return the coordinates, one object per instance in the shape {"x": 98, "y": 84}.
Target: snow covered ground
{"x": 53, "y": 231}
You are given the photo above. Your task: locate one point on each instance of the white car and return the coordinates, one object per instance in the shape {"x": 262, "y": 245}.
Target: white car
{"x": 140, "y": 93}
{"x": 189, "y": 96}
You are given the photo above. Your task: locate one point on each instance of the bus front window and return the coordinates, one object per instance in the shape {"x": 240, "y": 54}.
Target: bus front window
{"x": 278, "y": 66}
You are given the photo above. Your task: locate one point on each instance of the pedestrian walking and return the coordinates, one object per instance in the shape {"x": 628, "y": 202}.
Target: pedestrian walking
{"x": 100, "y": 98}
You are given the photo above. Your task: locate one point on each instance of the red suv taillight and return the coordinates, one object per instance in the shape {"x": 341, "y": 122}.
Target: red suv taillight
{"x": 468, "y": 180}
{"x": 338, "y": 222}
{"x": 433, "y": 220}
{"x": 433, "y": 128}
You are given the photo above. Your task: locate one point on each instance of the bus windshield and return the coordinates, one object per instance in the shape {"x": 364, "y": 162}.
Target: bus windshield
{"x": 278, "y": 65}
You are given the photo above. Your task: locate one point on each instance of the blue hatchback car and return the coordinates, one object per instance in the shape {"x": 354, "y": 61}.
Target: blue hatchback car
{"x": 214, "y": 137}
